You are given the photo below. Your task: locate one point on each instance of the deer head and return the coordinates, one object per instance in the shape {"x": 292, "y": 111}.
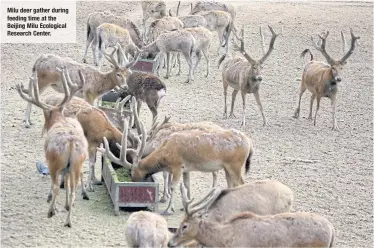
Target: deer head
{"x": 119, "y": 72}
{"x": 336, "y": 65}
{"x": 189, "y": 227}
{"x": 256, "y": 65}
{"x": 51, "y": 113}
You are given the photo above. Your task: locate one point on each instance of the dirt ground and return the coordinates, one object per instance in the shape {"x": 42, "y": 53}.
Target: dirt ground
{"x": 330, "y": 172}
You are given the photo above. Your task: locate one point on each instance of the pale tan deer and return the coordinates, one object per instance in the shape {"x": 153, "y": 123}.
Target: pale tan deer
{"x": 322, "y": 79}
{"x": 244, "y": 75}
{"x": 185, "y": 151}
{"x": 246, "y": 229}
{"x": 65, "y": 145}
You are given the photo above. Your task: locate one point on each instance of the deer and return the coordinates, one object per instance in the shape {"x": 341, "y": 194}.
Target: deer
{"x": 97, "y": 82}
{"x": 96, "y": 125}
{"x": 155, "y": 9}
{"x": 146, "y": 87}
{"x": 202, "y": 6}
{"x": 244, "y": 75}
{"x": 174, "y": 41}
{"x": 65, "y": 145}
{"x": 321, "y": 78}
{"x": 185, "y": 151}
{"x": 110, "y": 35}
{"x": 247, "y": 229}
{"x": 146, "y": 229}
{"x": 190, "y": 21}
{"x": 95, "y": 19}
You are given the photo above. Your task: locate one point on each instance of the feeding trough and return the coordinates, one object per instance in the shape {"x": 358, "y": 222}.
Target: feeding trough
{"x": 129, "y": 194}
{"x": 145, "y": 65}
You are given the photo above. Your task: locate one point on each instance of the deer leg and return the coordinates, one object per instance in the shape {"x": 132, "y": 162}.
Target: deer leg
{"x": 26, "y": 118}
{"x": 258, "y": 100}
{"x": 311, "y": 106}
{"x": 55, "y": 189}
{"x": 220, "y": 38}
{"x": 187, "y": 55}
{"x": 67, "y": 189}
{"x": 179, "y": 64}
{"x": 94, "y": 47}
{"x": 198, "y": 58}
{"x": 174, "y": 184}
{"x": 92, "y": 180}
{"x": 225, "y": 85}
{"x": 165, "y": 196}
{"x": 315, "y": 115}
{"x": 302, "y": 90}
{"x": 186, "y": 181}
{"x": 228, "y": 179}
{"x": 243, "y": 116}
{"x": 333, "y": 105}
{"x": 84, "y": 192}
{"x": 89, "y": 41}
{"x": 215, "y": 175}
{"x": 233, "y": 97}
{"x": 73, "y": 188}
{"x": 167, "y": 65}
{"x": 206, "y": 55}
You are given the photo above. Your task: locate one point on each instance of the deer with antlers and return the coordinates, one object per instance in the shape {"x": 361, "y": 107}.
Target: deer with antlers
{"x": 65, "y": 145}
{"x": 247, "y": 229}
{"x": 185, "y": 151}
{"x": 322, "y": 79}
{"x": 244, "y": 75}
{"x": 97, "y": 82}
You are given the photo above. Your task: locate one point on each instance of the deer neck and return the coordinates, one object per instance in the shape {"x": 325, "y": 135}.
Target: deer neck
{"x": 152, "y": 48}
{"x": 105, "y": 82}
{"x": 213, "y": 234}
{"x": 153, "y": 163}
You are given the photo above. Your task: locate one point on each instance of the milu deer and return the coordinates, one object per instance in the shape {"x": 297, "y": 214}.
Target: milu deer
{"x": 155, "y": 9}
{"x": 65, "y": 145}
{"x": 244, "y": 75}
{"x": 95, "y": 19}
{"x": 185, "y": 151}
{"x": 246, "y": 229}
{"x": 97, "y": 82}
{"x": 322, "y": 79}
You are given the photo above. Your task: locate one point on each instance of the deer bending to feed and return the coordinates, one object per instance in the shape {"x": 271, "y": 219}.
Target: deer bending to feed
{"x": 247, "y": 229}
{"x": 174, "y": 41}
{"x": 95, "y": 19}
{"x": 155, "y": 9}
{"x": 201, "y": 6}
{"x": 95, "y": 124}
{"x": 146, "y": 229}
{"x": 109, "y": 35}
{"x": 65, "y": 145}
{"x": 185, "y": 151}
{"x": 244, "y": 75}
{"x": 146, "y": 87}
{"x": 97, "y": 82}
{"x": 322, "y": 79}
{"x": 159, "y": 134}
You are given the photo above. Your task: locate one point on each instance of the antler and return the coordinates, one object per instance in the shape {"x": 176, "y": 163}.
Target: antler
{"x": 154, "y": 129}
{"x": 271, "y": 45}
{"x": 110, "y": 57}
{"x": 262, "y": 41}
{"x": 343, "y": 40}
{"x": 322, "y": 47}
{"x": 192, "y": 208}
{"x": 241, "y": 48}
{"x": 69, "y": 87}
{"x": 350, "y": 51}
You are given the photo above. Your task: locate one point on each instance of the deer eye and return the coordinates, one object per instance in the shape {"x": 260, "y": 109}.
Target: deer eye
{"x": 184, "y": 227}
{"x": 119, "y": 75}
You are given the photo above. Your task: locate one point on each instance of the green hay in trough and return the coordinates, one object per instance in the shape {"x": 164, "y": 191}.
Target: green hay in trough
{"x": 108, "y": 104}
{"x": 123, "y": 175}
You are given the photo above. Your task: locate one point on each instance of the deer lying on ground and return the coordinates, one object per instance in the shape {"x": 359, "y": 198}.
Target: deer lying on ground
{"x": 155, "y": 9}
{"x": 110, "y": 35}
{"x": 185, "y": 151}
{"x": 97, "y": 82}
{"x": 322, "y": 79}
{"x": 262, "y": 197}
{"x": 146, "y": 229}
{"x": 95, "y": 124}
{"x": 247, "y": 229}
{"x": 174, "y": 41}
{"x": 65, "y": 145}
{"x": 244, "y": 75}
{"x": 97, "y": 18}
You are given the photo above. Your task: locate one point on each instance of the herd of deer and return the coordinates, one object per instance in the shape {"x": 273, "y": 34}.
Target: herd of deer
{"x": 244, "y": 214}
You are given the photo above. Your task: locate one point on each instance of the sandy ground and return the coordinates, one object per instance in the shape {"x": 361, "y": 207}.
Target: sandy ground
{"x": 338, "y": 184}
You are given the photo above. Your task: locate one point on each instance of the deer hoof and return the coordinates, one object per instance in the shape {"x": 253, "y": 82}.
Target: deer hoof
{"x": 51, "y": 213}
{"x": 67, "y": 208}
{"x": 68, "y": 224}
{"x": 85, "y": 196}
{"x": 90, "y": 187}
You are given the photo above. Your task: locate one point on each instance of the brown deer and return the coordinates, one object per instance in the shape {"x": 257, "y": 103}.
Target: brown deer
{"x": 65, "y": 145}
{"x": 322, "y": 79}
{"x": 246, "y": 229}
{"x": 244, "y": 75}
